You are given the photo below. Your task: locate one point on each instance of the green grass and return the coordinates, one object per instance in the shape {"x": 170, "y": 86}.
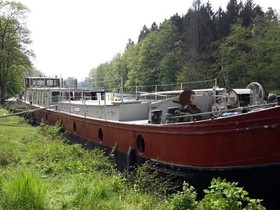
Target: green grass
{"x": 38, "y": 170}
{"x": 23, "y": 191}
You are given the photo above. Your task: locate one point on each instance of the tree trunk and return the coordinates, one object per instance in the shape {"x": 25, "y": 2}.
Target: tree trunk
{"x": 3, "y": 88}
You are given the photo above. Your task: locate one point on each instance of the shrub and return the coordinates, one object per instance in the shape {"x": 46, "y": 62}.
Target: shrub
{"x": 53, "y": 131}
{"x": 16, "y": 108}
{"x": 146, "y": 179}
{"x": 185, "y": 199}
{"x": 227, "y": 195}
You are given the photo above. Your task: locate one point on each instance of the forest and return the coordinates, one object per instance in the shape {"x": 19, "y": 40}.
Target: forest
{"x": 237, "y": 46}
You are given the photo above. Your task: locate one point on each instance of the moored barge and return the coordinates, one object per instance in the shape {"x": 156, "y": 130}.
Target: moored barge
{"x": 196, "y": 134}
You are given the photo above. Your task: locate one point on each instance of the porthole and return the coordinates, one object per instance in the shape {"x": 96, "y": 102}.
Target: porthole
{"x": 74, "y": 127}
{"x": 140, "y": 144}
{"x": 100, "y": 135}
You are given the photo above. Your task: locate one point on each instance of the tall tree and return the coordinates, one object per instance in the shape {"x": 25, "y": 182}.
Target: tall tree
{"x": 131, "y": 57}
{"x": 235, "y": 56}
{"x": 232, "y": 14}
{"x": 249, "y": 12}
{"x": 169, "y": 39}
{"x": 14, "y": 39}
{"x": 220, "y": 24}
{"x": 149, "y": 58}
{"x": 97, "y": 76}
{"x": 154, "y": 27}
{"x": 199, "y": 34}
{"x": 265, "y": 59}
{"x": 143, "y": 33}
{"x": 129, "y": 44}
{"x": 117, "y": 71}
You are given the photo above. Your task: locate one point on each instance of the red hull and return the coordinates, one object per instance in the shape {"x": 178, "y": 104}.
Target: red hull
{"x": 244, "y": 140}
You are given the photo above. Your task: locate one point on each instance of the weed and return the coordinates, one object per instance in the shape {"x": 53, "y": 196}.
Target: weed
{"x": 13, "y": 107}
{"x": 227, "y": 195}
{"x": 185, "y": 199}
{"x": 25, "y": 191}
{"x": 8, "y": 152}
{"x": 53, "y": 131}
{"x": 146, "y": 179}
{"x": 7, "y": 156}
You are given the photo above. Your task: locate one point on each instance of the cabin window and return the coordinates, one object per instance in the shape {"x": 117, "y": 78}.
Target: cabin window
{"x": 49, "y": 83}
{"x": 77, "y": 95}
{"x": 140, "y": 143}
{"x": 93, "y": 96}
{"x": 55, "y": 96}
{"x": 56, "y": 83}
{"x": 100, "y": 135}
{"x": 40, "y": 83}
{"x": 46, "y": 117}
{"x": 103, "y": 96}
{"x": 66, "y": 95}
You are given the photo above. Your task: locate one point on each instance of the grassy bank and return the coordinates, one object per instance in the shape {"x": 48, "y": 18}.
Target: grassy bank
{"x": 38, "y": 170}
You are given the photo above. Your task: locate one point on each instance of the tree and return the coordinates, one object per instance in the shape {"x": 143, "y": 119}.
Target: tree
{"x": 266, "y": 52}
{"x": 32, "y": 72}
{"x": 144, "y": 32}
{"x": 249, "y": 13}
{"x": 116, "y": 71}
{"x": 234, "y": 56}
{"x": 154, "y": 27}
{"x": 132, "y": 64}
{"x": 14, "y": 54}
{"x": 200, "y": 45}
{"x": 149, "y": 58}
{"x": 199, "y": 34}
{"x": 129, "y": 44}
{"x": 97, "y": 76}
{"x": 169, "y": 41}
{"x": 232, "y": 14}
{"x": 70, "y": 82}
{"x": 220, "y": 24}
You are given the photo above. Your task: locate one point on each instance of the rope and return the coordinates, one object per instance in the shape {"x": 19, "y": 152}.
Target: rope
{"x": 27, "y": 111}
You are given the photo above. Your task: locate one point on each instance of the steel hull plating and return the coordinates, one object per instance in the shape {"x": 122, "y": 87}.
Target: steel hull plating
{"x": 243, "y": 140}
